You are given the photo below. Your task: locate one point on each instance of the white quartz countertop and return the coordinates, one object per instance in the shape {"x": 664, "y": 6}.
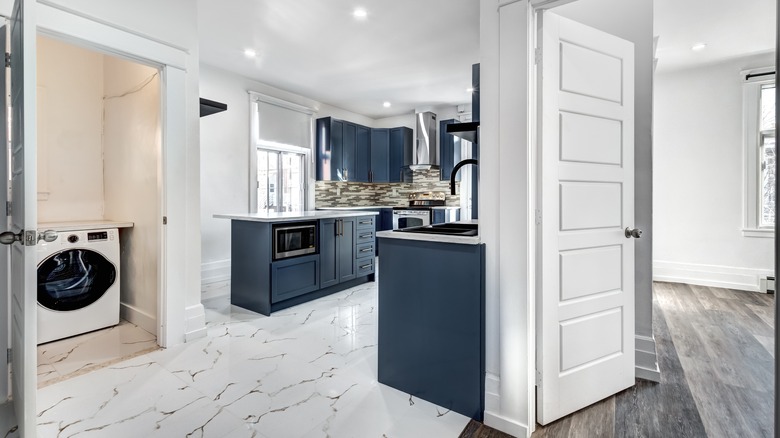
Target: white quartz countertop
{"x": 82, "y": 225}
{"x": 293, "y": 216}
{"x": 442, "y": 238}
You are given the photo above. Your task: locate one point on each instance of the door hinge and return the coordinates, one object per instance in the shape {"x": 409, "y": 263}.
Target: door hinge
{"x": 165, "y": 220}
{"x": 30, "y": 237}
{"x": 8, "y": 355}
{"x": 7, "y": 59}
{"x": 537, "y": 56}
{"x": 8, "y": 208}
{"x": 538, "y": 214}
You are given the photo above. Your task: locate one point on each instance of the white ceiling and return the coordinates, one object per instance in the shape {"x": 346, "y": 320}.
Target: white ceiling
{"x": 413, "y": 53}
{"x": 730, "y": 28}
{"x": 418, "y": 53}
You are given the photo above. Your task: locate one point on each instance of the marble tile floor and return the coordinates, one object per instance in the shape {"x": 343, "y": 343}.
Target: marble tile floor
{"x": 308, "y": 371}
{"x": 70, "y": 357}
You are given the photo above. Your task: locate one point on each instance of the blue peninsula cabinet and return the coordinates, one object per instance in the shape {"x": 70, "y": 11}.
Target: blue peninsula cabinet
{"x": 343, "y": 258}
{"x": 432, "y": 322}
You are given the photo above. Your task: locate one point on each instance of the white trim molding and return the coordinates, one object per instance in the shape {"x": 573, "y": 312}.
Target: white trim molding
{"x": 140, "y": 318}
{"x": 729, "y": 277}
{"x": 259, "y": 97}
{"x": 214, "y": 272}
{"x": 195, "y": 322}
{"x": 646, "y": 359}
{"x": 506, "y": 425}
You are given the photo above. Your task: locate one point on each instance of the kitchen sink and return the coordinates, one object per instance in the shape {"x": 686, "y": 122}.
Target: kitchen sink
{"x": 450, "y": 229}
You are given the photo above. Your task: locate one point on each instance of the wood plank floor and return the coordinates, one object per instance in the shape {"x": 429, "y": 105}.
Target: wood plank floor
{"x": 715, "y": 351}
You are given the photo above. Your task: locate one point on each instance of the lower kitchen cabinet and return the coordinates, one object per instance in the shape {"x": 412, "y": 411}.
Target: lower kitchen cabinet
{"x": 293, "y": 277}
{"x": 264, "y": 285}
{"x": 337, "y": 251}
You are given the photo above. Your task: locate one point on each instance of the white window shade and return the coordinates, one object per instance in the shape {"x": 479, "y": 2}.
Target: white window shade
{"x": 281, "y": 122}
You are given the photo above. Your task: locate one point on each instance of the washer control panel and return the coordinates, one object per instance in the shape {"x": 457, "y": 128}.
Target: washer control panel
{"x": 96, "y": 236}
{"x": 73, "y": 238}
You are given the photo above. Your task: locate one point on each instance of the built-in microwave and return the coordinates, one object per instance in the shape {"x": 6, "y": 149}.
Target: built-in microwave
{"x": 294, "y": 239}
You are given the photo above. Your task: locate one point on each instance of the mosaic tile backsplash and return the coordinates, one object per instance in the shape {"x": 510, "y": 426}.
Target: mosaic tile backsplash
{"x": 355, "y": 194}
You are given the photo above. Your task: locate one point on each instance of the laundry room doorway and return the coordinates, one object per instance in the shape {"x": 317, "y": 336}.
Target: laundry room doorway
{"x": 99, "y": 169}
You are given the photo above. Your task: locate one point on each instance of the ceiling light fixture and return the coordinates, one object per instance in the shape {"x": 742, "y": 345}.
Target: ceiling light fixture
{"x": 698, "y": 47}
{"x": 249, "y": 53}
{"x": 360, "y": 13}
{"x": 386, "y": 104}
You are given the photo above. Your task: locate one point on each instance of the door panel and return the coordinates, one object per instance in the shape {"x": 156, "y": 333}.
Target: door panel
{"x": 5, "y": 250}
{"x": 585, "y": 332}
{"x": 349, "y": 152}
{"x": 329, "y": 274}
{"x": 24, "y": 213}
{"x": 363, "y": 154}
{"x": 380, "y": 154}
{"x": 346, "y": 251}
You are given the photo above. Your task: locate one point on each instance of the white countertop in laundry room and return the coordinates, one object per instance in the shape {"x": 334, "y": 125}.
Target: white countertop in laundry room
{"x": 82, "y": 225}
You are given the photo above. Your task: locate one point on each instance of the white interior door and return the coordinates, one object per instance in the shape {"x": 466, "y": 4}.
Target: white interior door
{"x": 23, "y": 215}
{"x": 585, "y": 324}
{"x": 5, "y": 251}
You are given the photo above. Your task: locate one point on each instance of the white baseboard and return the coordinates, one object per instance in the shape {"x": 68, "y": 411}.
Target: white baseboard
{"x": 138, "y": 317}
{"x": 646, "y": 365}
{"x": 214, "y": 272}
{"x": 506, "y": 425}
{"x": 194, "y": 322}
{"x": 728, "y": 277}
{"x": 492, "y": 390}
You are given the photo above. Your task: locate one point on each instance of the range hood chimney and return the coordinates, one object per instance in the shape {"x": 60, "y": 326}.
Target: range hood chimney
{"x": 426, "y": 154}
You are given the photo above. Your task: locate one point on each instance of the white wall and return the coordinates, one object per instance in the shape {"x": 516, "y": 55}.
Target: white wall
{"x": 443, "y": 112}
{"x": 70, "y": 118}
{"x": 131, "y": 143}
{"x": 225, "y": 155}
{"x": 698, "y": 164}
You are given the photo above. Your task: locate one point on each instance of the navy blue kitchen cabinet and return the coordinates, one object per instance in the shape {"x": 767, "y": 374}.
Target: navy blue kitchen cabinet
{"x": 400, "y": 152}
{"x": 380, "y": 155}
{"x": 449, "y": 150}
{"x": 431, "y": 330}
{"x": 293, "y": 277}
{"x": 337, "y": 251}
{"x": 337, "y": 150}
{"x": 363, "y": 154}
{"x": 262, "y": 285}
{"x": 385, "y": 219}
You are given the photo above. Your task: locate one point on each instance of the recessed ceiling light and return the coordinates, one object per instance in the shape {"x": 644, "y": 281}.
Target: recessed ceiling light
{"x": 249, "y": 53}
{"x": 360, "y": 13}
{"x": 386, "y": 104}
{"x": 470, "y": 90}
{"x": 699, "y": 46}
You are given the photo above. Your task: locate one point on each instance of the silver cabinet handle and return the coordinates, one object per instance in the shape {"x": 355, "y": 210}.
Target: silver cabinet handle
{"x": 366, "y": 249}
{"x": 365, "y": 266}
{"x": 365, "y": 235}
{"x": 365, "y": 222}
{"x": 633, "y": 232}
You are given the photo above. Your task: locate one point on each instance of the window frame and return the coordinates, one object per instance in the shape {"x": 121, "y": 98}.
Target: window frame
{"x": 255, "y": 143}
{"x": 282, "y": 148}
{"x": 751, "y": 121}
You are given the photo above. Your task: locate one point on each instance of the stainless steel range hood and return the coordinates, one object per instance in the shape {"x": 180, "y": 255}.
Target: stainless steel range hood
{"x": 425, "y": 154}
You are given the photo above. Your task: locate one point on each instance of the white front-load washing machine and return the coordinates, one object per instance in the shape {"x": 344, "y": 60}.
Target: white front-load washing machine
{"x": 78, "y": 283}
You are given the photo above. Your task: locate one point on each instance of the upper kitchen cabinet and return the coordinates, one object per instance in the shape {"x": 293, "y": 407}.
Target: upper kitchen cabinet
{"x": 380, "y": 155}
{"x": 449, "y": 150}
{"x": 400, "y": 152}
{"x": 337, "y": 143}
{"x": 363, "y": 154}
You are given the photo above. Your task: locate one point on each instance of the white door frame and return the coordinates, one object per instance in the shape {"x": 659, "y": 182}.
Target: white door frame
{"x": 68, "y": 26}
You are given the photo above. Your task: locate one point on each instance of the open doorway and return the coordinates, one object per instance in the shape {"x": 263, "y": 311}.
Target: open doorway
{"x": 99, "y": 167}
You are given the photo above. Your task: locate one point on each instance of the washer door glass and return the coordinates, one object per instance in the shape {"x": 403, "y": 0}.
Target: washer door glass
{"x": 74, "y": 279}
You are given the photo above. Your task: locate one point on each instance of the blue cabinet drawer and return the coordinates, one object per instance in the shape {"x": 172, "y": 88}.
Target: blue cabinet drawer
{"x": 365, "y": 235}
{"x": 293, "y": 277}
{"x": 365, "y": 222}
{"x": 365, "y": 250}
{"x": 364, "y": 266}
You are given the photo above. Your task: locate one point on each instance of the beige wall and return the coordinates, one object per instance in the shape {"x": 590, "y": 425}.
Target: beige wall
{"x": 70, "y": 117}
{"x": 131, "y": 142}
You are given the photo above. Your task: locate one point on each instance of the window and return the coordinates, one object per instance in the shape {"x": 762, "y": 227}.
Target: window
{"x": 760, "y": 152}
{"x": 281, "y": 180}
{"x": 280, "y": 169}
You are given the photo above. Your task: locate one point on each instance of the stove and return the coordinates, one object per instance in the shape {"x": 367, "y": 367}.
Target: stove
{"x": 419, "y": 212}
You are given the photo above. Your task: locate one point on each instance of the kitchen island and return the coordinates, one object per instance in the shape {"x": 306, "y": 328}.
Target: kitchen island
{"x": 264, "y": 279}
{"x": 432, "y": 318}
